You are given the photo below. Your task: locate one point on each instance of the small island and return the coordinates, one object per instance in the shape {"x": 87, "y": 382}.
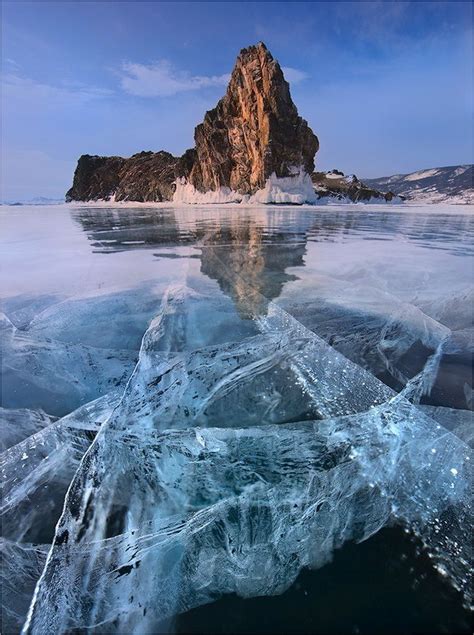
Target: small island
{"x": 253, "y": 147}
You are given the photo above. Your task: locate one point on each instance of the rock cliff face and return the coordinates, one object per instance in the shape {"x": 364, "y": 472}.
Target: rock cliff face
{"x": 147, "y": 176}
{"x": 253, "y": 133}
{"x": 95, "y": 178}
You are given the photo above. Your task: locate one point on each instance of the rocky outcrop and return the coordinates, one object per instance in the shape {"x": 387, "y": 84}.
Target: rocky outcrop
{"x": 95, "y": 178}
{"x": 253, "y": 147}
{"x": 144, "y": 177}
{"x": 147, "y": 176}
{"x": 253, "y": 132}
{"x": 335, "y": 185}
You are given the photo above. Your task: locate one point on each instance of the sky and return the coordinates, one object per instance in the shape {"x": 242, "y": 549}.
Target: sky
{"x": 386, "y": 86}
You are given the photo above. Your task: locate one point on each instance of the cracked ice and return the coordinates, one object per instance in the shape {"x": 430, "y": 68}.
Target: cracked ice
{"x": 234, "y": 454}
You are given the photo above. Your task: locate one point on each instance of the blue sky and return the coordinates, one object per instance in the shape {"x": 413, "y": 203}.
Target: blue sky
{"x": 386, "y": 86}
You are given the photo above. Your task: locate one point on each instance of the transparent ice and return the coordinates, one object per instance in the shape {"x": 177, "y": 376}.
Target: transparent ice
{"x": 250, "y": 436}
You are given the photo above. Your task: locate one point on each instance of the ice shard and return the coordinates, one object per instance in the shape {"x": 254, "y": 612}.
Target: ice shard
{"x": 35, "y": 475}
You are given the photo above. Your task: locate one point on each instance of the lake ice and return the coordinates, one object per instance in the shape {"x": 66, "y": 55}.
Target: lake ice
{"x": 206, "y": 401}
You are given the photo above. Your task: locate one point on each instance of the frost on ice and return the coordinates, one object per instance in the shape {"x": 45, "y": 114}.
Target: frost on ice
{"x": 237, "y": 453}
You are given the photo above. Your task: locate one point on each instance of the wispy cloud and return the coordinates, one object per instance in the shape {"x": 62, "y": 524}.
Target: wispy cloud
{"x": 293, "y": 75}
{"x": 162, "y": 79}
{"x": 29, "y": 91}
{"x": 11, "y": 64}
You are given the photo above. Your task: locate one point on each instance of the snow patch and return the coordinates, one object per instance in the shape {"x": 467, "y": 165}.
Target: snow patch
{"x": 421, "y": 175}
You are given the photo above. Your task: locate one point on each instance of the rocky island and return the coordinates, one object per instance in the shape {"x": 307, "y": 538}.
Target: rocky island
{"x": 253, "y": 147}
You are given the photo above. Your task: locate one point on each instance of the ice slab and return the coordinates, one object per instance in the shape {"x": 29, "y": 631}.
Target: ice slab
{"x": 191, "y": 515}
{"x": 16, "y": 425}
{"x": 119, "y": 319}
{"x": 22, "y": 565}
{"x": 35, "y": 476}
{"x": 459, "y": 422}
{"x": 56, "y": 376}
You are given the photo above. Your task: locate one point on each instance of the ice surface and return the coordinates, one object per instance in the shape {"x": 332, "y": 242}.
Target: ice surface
{"x": 239, "y": 418}
{"x": 373, "y": 328}
{"x": 119, "y": 319}
{"x": 164, "y": 515}
{"x": 55, "y": 375}
{"x": 16, "y": 425}
{"x": 21, "y": 567}
{"x": 459, "y": 422}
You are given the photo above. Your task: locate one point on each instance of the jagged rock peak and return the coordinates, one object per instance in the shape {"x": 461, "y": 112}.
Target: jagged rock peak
{"x": 254, "y": 131}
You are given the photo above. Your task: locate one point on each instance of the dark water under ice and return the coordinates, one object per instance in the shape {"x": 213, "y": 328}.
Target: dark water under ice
{"x": 226, "y": 300}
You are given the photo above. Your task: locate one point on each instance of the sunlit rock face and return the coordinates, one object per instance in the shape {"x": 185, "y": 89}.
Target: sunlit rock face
{"x": 254, "y": 131}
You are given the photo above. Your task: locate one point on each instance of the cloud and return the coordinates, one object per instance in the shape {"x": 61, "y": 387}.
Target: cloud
{"x": 16, "y": 88}
{"x": 293, "y": 75}
{"x": 161, "y": 79}
{"x": 12, "y": 64}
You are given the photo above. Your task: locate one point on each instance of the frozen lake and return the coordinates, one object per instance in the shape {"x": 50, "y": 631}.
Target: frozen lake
{"x": 274, "y": 409}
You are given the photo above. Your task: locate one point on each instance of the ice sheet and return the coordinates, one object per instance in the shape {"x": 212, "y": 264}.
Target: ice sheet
{"x": 163, "y": 515}
{"x": 248, "y": 392}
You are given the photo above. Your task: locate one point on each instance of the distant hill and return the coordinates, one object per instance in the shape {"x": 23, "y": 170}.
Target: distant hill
{"x": 453, "y": 184}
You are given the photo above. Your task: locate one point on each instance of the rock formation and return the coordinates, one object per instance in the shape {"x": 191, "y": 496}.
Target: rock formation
{"x": 146, "y": 176}
{"x": 95, "y": 178}
{"x": 335, "y": 185}
{"x": 253, "y": 132}
{"x": 251, "y": 146}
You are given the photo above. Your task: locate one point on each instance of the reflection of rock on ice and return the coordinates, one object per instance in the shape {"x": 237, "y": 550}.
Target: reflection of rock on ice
{"x": 248, "y": 264}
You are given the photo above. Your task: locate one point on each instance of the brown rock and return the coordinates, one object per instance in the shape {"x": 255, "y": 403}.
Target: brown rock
{"x": 147, "y": 176}
{"x": 254, "y": 130}
{"x": 95, "y": 178}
